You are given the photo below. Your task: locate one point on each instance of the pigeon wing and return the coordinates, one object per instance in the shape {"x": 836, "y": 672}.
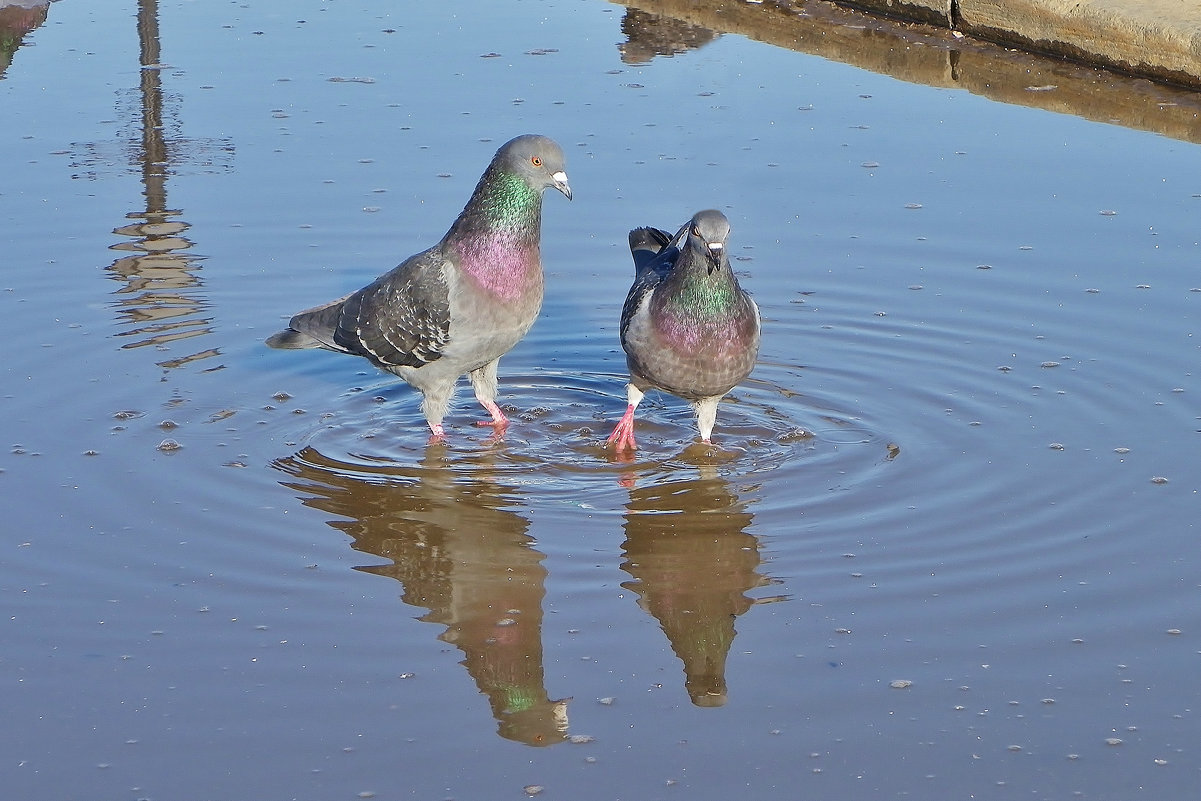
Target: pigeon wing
{"x": 402, "y": 319}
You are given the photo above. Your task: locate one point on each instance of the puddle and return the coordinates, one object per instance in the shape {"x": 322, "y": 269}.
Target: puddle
{"x": 942, "y": 544}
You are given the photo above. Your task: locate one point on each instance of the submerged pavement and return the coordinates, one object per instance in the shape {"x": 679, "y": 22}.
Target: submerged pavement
{"x": 1159, "y": 39}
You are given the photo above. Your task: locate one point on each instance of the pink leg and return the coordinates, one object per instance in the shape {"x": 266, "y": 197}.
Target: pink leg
{"x": 498, "y": 421}
{"x": 622, "y": 437}
{"x": 437, "y": 434}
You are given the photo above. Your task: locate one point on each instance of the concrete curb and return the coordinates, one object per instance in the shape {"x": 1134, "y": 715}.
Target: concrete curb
{"x": 1157, "y": 39}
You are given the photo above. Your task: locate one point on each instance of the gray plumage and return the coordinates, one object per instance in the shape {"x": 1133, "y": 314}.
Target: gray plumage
{"x": 687, "y": 327}
{"x": 456, "y": 308}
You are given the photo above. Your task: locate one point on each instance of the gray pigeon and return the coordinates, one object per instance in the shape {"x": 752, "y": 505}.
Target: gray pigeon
{"x": 687, "y": 327}
{"x": 458, "y": 307}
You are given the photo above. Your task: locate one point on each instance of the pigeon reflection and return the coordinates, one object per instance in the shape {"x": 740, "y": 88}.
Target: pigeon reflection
{"x": 460, "y": 552}
{"x": 692, "y": 563}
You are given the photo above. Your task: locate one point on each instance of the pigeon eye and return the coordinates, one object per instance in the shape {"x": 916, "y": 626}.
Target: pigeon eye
{"x": 537, "y": 162}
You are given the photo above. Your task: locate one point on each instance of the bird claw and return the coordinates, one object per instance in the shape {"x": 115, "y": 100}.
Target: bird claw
{"x": 621, "y": 441}
{"x": 498, "y": 429}
{"x": 622, "y": 438}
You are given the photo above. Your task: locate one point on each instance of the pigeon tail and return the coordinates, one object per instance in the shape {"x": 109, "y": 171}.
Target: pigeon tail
{"x": 292, "y": 340}
{"x": 646, "y": 244}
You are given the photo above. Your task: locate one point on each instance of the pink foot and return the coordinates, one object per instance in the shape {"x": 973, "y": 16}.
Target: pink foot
{"x": 498, "y": 422}
{"x": 622, "y": 437}
{"x": 437, "y": 434}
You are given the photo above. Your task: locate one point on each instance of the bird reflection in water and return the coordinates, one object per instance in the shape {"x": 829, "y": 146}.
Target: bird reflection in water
{"x": 692, "y": 562}
{"x": 452, "y": 540}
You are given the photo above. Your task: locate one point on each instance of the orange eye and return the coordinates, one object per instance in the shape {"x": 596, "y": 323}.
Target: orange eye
{"x": 537, "y": 162}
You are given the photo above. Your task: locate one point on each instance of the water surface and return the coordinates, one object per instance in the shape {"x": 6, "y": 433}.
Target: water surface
{"x": 944, "y": 544}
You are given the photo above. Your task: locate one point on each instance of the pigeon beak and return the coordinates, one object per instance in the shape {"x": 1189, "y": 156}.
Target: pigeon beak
{"x": 716, "y": 250}
{"x": 560, "y": 182}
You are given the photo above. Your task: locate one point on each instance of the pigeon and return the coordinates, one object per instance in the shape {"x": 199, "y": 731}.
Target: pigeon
{"x": 456, "y": 308}
{"x": 687, "y": 327}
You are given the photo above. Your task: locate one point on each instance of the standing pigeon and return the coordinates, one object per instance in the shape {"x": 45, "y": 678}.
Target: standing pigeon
{"x": 687, "y": 327}
{"x": 458, "y": 307}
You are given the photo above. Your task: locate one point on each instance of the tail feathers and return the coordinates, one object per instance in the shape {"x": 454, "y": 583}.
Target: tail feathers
{"x": 646, "y": 244}
{"x": 290, "y": 339}
{"x": 311, "y": 328}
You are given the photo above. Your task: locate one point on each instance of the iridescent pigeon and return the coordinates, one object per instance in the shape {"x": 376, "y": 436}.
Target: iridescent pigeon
{"x": 459, "y": 306}
{"x": 687, "y": 327}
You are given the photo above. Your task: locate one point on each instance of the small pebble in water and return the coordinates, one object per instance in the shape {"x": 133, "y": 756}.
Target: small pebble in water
{"x": 1159, "y": 480}
{"x": 1049, "y": 364}
{"x": 1113, "y": 740}
{"x": 1108, "y": 213}
{"x": 1056, "y": 446}
{"x": 900, "y": 684}
{"x": 169, "y": 445}
{"x": 533, "y": 789}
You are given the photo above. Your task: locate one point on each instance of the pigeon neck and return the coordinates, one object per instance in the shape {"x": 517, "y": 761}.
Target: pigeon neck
{"x": 698, "y": 294}
{"x": 503, "y": 205}
{"x": 497, "y": 235}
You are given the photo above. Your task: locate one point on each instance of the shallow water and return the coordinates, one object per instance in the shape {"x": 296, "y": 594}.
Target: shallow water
{"x": 944, "y": 544}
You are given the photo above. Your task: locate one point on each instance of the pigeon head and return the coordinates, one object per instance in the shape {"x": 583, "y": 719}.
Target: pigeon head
{"x": 707, "y": 232}
{"x": 537, "y": 159}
